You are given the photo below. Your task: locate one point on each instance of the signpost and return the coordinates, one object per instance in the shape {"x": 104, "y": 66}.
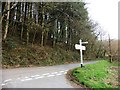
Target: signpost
{"x": 80, "y": 47}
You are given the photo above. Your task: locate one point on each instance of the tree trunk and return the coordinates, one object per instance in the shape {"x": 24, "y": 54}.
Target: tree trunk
{"x": 21, "y": 35}
{"x": 42, "y": 38}
{"x": 4, "y": 4}
{"x": 26, "y": 3}
{"x": 54, "y": 32}
{"x": 43, "y": 28}
{"x": 34, "y": 37}
{"x": 7, "y": 22}
{"x": 46, "y": 37}
{"x": 27, "y": 36}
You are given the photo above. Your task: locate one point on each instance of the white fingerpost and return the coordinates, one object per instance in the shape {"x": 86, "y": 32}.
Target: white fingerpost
{"x": 80, "y": 41}
{"x": 80, "y": 47}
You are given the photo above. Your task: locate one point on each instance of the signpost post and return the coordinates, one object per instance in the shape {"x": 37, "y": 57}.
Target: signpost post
{"x": 80, "y": 47}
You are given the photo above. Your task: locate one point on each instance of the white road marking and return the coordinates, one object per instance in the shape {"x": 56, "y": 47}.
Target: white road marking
{"x": 26, "y": 79}
{"x": 2, "y": 84}
{"x": 50, "y": 75}
{"x": 8, "y": 80}
{"x": 39, "y": 77}
{"x": 62, "y": 71}
{"x": 35, "y": 76}
{"x": 46, "y": 74}
{"x": 54, "y": 73}
{"x": 23, "y": 80}
{"x": 58, "y": 74}
{"x": 42, "y": 76}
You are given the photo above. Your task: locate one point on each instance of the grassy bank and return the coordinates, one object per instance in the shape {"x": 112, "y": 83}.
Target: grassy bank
{"x": 99, "y": 75}
{"x": 26, "y": 56}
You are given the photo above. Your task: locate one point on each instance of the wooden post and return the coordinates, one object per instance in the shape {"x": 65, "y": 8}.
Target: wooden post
{"x": 80, "y": 47}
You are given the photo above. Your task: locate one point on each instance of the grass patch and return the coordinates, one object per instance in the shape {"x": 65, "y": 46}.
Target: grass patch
{"x": 94, "y": 75}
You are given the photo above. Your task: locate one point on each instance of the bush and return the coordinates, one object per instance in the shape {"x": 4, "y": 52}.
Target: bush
{"x": 10, "y": 43}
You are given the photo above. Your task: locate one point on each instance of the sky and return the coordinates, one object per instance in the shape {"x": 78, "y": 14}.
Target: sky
{"x": 105, "y": 12}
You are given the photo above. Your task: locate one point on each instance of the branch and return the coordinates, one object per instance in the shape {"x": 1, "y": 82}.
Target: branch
{"x": 5, "y": 11}
{"x": 14, "y": 6}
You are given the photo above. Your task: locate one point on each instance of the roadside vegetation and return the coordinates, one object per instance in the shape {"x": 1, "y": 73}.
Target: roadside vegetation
{"x": 45, "y": 33}
{"x": 28, "y": 56}
{"x": 100, "y": 75}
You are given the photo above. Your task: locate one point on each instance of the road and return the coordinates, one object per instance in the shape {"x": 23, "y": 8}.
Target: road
{"x": 38, "y": 77}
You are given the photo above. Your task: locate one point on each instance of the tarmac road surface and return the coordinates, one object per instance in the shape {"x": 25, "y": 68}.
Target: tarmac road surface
{"x": 38, "y": 77}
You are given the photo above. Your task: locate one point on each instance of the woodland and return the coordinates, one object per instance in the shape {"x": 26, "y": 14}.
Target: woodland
{"x": 45, "y": 33}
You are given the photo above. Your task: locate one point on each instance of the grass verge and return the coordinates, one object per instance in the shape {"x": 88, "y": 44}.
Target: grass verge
{"x": 97, "y": 75}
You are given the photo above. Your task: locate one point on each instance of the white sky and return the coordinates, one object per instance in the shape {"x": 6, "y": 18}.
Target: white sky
{"x": 105, "y": 12}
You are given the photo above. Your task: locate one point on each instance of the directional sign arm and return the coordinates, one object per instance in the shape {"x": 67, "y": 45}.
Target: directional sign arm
{"x": 84, "y": 42}
{"x": 79, "y": 47}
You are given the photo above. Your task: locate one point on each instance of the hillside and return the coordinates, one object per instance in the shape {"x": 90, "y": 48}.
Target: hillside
{"x": 16, "y": 54}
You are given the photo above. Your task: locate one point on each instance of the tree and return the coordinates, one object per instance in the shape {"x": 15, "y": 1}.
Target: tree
{"x": 7, "y": 21}
{"x": 52, "y": 24}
